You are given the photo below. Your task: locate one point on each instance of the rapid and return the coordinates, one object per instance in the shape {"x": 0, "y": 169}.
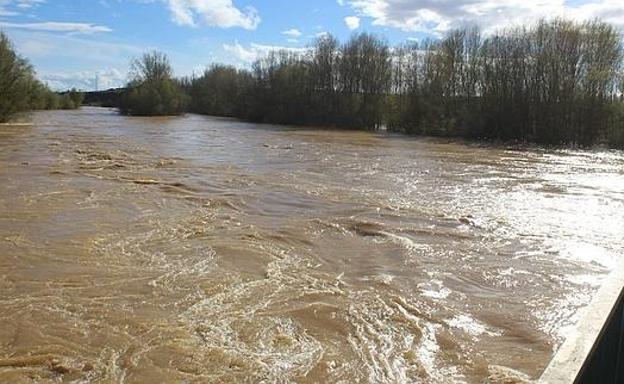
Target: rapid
{"x": 206, "y": 250}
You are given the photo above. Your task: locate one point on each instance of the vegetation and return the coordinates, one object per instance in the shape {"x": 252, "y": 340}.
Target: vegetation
{"x": 16, "y": 81}
{"x": 221, "y": 91}
{"x": 152, "y": 90}
{"x": 20, "y": 90}
{"x": 109, "y": 98}
{"x": 555, "y": 83}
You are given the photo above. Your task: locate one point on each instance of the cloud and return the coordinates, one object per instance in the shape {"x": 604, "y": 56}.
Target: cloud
{"x": 6, "y": 12}
{"x": 65, "y": 61}
{"x": 19, "y": 4}
{"x": 292, "y": 32}
{"x": 240, "y": 52}
{"x": 438, "y": 16}
{"x": 71, "y": 50}
{"x": 352, "y": 22}
{"x": 214, "y": 13}
{"x": 255, "y": 51}
{"x": 50, "y": 26}
{"x": 611, "y": 11}
{"x": 22, "y": 3}
{"x": 85, "y": 80}
{"x": 26, "y": 4}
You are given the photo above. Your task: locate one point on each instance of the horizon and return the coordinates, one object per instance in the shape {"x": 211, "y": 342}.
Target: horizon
{"x": 71, "y": 44}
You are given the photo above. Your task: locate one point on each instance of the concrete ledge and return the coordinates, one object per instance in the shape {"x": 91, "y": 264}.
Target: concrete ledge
{"x": 573, "y": 358}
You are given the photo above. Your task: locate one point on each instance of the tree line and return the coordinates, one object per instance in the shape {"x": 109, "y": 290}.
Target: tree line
{"x": 556, "y": 82}
{"x": 21, "y": 91}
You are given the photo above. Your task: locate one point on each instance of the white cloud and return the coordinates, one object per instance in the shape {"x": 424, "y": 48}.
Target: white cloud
{"x": 6, "y": 12}
{"x": 50, "y": 26}
{"x": 352, "y": 22}
{"x": 41, "y": 45}
{"x": 214, "y": 13}
{"x": 22, "y": 3}
{"x": 240, "y": 52}
{"x": 611, "y": 11}
{"x": 85, "y": 80}
{"x": 25, "y": 4}
{"x": 438, "y": 16}
{"x": 71, "y": 55}
{"x": 292, "y": 32}
{"x": 255, "y": 51}
{"x": 19, "y": 4}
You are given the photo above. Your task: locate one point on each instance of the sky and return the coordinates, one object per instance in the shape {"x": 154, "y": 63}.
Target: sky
{"x": 72, "y": 43}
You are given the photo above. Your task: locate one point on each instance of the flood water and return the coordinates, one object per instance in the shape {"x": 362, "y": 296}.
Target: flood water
{"x": 206, "y": 250}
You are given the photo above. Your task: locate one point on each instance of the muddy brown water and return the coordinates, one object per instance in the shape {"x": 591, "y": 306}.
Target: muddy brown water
{"x": 206, "y": 250}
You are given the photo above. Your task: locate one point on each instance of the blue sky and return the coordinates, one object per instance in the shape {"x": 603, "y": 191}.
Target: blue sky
{"x": 71, "y": 41}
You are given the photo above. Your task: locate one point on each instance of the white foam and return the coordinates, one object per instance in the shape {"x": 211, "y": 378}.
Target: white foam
{"x": 435, "y": 289}
{"x": 469, "y": 325}
{"x": 589, "y": 253}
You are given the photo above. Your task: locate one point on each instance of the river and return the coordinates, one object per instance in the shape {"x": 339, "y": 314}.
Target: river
{"x": 198, "y": 249}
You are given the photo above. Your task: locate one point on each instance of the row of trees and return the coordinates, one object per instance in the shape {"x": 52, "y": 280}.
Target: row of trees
{"x": 332, "y": 84}
{"x": 21, "y": 91}
{"x": 557, "y": 82}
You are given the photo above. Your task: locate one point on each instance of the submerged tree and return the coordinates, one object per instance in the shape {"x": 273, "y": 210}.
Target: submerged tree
{"x": 556, "y": 82}
{"x": 152, "y": 90}
{"x": 221, "y": 90}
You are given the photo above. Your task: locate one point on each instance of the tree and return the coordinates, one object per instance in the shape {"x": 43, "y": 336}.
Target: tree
{"x": 21, "y": 91}
{"x": 556, "y": 82}
{"x": 152, "y": 90}
{"x": 16, "y": 81}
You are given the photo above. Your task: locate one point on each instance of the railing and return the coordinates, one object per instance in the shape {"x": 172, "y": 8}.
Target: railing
{"x": 594, "y": 350}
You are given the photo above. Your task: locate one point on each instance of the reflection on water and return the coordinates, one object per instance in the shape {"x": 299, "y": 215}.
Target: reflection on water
{"x": 198, "y": 249}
